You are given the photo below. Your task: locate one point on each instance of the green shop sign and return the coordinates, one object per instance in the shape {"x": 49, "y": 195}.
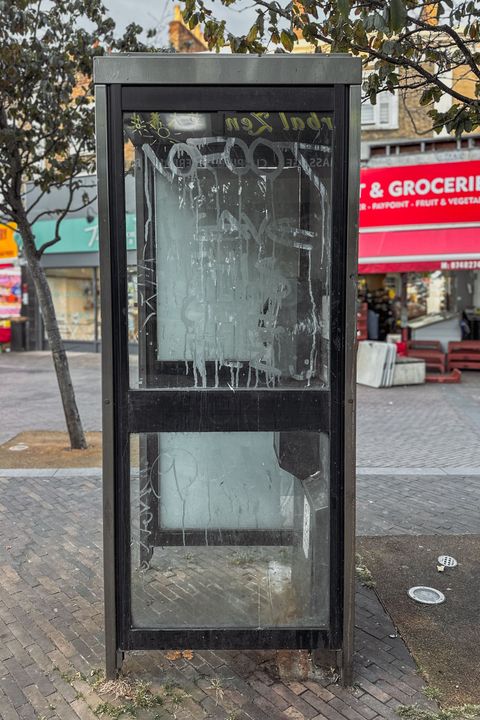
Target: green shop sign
{"x": 77, "y": 235}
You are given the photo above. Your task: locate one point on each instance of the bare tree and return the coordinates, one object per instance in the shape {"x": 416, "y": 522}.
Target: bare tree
{"x": 47, "y": 132}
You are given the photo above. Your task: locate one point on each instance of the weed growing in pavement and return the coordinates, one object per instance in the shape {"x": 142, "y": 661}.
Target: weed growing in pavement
{"x": 216, "y": 684}
{"x": 97, "y": 676}
{"x": 139, "y": 697}
{"x": 433, "y": 692}
{"x": 70, "y": 677}
{"x": 460, "y": 712}
{"x": 112, "y": 711}
{"x": 134, "y": 695}
{"x": 363, "y": 573}
{"x": 173, "y": 694}
{"x": 233, "y": 715}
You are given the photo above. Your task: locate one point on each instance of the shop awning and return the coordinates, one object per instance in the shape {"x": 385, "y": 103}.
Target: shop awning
{"x": 417, "y": 250}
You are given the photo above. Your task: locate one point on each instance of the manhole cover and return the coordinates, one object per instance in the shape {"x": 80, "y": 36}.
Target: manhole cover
{"x": 447, "y": 561}
{"x": 426, "y": 595}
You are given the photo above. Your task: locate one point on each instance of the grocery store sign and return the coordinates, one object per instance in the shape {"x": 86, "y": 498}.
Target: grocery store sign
{"x": 442, "y": 194}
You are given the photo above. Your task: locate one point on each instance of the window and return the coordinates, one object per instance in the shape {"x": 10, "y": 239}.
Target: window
{"x": 73, "y": 291}
{"x": 383, "y": 115}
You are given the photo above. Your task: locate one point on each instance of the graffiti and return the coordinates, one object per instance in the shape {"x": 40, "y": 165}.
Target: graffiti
{"x": 227, "y": 285}
{"x": 184, "y": 159}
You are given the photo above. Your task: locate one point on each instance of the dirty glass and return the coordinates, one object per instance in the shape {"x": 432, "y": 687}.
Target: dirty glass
{"x": 233, "y": 225}
{"x": 229, "y": 529}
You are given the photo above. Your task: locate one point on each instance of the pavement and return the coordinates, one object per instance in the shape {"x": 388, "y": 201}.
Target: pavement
{"x": 445, "y": 638}
{"x": 418, "y": 474}
{"x": 51, "y": 627}
{"x": 427, "y": 429}
{"x": 431, "y": 428}
{"x": 30, "y": 397}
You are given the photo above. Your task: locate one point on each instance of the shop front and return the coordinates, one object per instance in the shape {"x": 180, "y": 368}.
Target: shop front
{"x": 72, "y": 270}
{"x": 419, "y": 248}
{"x": 10, "y": 284}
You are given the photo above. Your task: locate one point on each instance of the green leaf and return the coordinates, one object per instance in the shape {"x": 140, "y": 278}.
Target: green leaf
{"x": 398, "y": 14}
{"x": 252, "y": 35}
{"x": 426, "y": 97}
{"x": 344, "y": 7}
{"x": 286, "y": 40}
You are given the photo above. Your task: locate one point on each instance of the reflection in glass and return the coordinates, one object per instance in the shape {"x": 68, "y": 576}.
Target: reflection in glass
{"x": 233, "y": 236}
{"x": 229, "y": 529}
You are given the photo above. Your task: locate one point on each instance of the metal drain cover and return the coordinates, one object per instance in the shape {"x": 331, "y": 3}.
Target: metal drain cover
{"x": 426, "y": 595}
{"x": 447, "y": 561}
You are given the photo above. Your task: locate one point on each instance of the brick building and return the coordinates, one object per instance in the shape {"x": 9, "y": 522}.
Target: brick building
{"x": 181, "y": 38}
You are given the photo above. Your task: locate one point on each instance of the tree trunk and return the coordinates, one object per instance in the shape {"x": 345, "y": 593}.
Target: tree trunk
{"x": 60, "y": 361}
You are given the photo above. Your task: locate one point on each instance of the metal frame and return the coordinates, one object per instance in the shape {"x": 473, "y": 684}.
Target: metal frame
{"x": 351, "y": 271}
{"x": 132, "y": 411}
{"x": 211, "y": 69}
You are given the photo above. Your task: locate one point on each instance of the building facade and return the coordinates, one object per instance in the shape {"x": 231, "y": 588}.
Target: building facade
{"x": 419, "y": 242}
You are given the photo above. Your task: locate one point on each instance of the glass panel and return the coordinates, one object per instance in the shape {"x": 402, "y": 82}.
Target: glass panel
{"x": 229, "y": 529}
{"x": 233, "y": 223}
{"x": 132, "y": 304}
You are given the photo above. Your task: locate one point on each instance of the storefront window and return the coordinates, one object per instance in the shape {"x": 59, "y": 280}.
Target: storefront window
{"x": 427, "y": 294}
{"x": 76, "y": 297}
{"x": 73, "y": 291}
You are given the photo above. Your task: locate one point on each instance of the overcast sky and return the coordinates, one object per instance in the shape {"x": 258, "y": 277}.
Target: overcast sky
{"x": 158, "y": 13}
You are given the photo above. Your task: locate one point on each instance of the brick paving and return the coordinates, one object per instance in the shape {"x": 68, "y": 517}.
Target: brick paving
{"x": 29, "y": 392}
{"x": 422, "y": 426}
{"x": 418, "y": 504}
{"x": 418, "y": 452}
{"x": 51, "y": 620}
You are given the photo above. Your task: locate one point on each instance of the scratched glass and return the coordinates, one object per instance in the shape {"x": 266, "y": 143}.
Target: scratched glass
{"x": 229, "y": 530}
{"x": 232, "y": 233}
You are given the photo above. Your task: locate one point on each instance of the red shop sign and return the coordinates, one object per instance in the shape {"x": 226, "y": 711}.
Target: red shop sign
{"x": 439, "y": 194}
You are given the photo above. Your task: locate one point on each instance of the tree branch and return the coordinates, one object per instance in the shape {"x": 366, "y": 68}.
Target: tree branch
{"x": 457, "y": 41}
{"x": 71, "y": 211}
{"x": 63, "y": 213}
{"x": 377, "y": 54}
